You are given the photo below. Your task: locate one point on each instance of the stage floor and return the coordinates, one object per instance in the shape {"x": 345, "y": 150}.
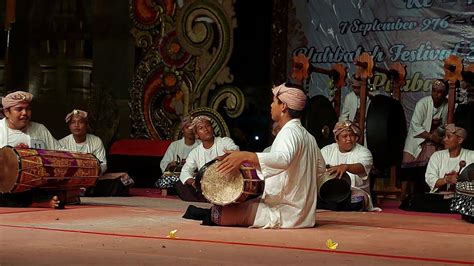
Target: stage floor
{"x": 135, "y": 230}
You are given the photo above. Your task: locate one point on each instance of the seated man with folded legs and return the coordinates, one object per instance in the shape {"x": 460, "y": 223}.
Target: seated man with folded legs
{"x": 290, "y": 170}
{"x": 445, "y": 166}
{"x": 16, "y": 130}
{"x": 347, "y": 156}
{"x": 423, "y": 138}
{"x": 209, "y": 149}
{"x": 108, "y": 184}
{"x": 176, "y": 154}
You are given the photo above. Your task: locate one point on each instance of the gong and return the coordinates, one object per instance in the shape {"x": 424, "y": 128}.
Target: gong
{"x": 320, "y": 119}
{"x": 386, "y": 131}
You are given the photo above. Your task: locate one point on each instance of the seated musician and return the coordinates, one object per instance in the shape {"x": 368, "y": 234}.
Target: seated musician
{"x": 347, "y": 156}
{"x": 81, "y": 141}
{"x": 16, "y": 130}
{"x": 210, "y": 148}
{"x": 444, "y": 166}
{"x": 290, "y": 171}
{"x": 422, "y": 138}
{"x": 177, "y": 152}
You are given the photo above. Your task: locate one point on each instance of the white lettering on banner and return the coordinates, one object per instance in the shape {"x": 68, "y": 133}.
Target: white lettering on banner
{"x": 419, "y": 3}
{"x": 415, "y": 83}
{"x": 338, "y": 55}
{"x": 425, "y": 52}
{"x": 357, "y": 26}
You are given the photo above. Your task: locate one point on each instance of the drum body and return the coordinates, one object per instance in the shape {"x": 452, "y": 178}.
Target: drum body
{"x": 170, "y": 176}
{"x": 332, "y": 189}
{"x": 463, "y": 201}
{"x": 24, "y": 169}
{"x": 222, "y": 189}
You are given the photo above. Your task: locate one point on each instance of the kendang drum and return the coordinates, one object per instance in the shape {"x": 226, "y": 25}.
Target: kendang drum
{"x": 171, "y": 175}
{"x": 222, "y": 189}
{"x": 333, "y": 189}
{"x": 463, "y": 201}
{"x": 24, "y": 169}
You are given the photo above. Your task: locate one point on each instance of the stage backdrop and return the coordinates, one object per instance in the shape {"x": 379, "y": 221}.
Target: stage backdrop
{"x": 418, "y": 33}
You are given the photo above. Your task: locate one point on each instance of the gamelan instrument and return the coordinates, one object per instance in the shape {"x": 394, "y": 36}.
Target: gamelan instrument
{"x": 23, "y": 169}
{"x": 222, "y": 189}
{"x": 171, "y": 174}
{"x": 333, "y": 189}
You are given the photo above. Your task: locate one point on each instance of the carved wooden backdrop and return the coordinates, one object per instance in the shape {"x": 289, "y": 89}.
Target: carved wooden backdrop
{"x": 182, "y": 65}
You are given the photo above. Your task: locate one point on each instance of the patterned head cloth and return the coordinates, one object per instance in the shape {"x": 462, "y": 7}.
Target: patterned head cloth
{"x": 16, "y": 98}
{"x": 186, "y": 122}
{"x": 439, "y": 84}
{"x": 78, "y": 112}
{"x": 345, "y": 126}
{"x": 458, "y": 131}
{"x": 198, "y": 120}
{"x": 293, "y": 97}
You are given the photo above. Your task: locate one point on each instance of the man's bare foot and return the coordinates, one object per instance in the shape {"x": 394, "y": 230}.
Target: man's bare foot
{"x": 54, "y": 203}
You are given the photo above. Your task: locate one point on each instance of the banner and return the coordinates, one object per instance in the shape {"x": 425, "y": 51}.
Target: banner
{"x": 418, "y": 33}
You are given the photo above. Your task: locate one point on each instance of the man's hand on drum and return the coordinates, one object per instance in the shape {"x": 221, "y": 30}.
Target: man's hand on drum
{"x": 339, "y": 170}
{"x": 191, "y": 182}
{"x": 234, "y": 159}
{"x": 451, "y": 178}
{"x": 22, "y": 145}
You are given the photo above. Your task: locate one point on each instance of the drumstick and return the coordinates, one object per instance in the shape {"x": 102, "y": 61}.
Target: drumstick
{"x": 462, "y": 164}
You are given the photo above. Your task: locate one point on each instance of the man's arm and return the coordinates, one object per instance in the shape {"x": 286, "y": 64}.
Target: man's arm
{"x": 187, "y": 172}
{"x": 168, "y": 157}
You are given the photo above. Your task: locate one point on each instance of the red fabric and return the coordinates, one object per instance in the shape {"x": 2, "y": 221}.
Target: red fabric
{"x": 140, "y": 147}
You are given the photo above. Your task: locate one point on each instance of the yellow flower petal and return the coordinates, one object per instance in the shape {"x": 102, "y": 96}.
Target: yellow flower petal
{"x": 331, "y": 245}
{"x": 172, "y": 233}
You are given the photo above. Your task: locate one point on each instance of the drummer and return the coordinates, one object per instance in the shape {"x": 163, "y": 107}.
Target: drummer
{"x": 209, "y": 148}
{"x": 443, "y": 166}
{"x": 16, "y": 130}
{"x": 347, "y": 156}
{"x": 289, "y": 169}
{"x": 179, "y": 150}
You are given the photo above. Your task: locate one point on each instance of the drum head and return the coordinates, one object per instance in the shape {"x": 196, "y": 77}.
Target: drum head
{"x": 218, "y": 188}
{"x": 467, "y": 174}
{"x": 9, "y": 169}
{"x": 335, "y": 189}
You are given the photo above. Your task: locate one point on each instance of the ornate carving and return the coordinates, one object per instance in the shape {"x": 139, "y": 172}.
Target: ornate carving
{"x": 185, "y": 52}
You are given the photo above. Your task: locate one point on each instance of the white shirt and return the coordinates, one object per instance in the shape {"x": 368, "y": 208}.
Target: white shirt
{"x": 36, "y": 135}
{"x": 290, "y": 171}
{"x": 359, "y": 154}
{"x": 199, "y": 156}
{"x": 440, "y": 164}
{"x": 93, "y": 144}
{"x": 177, "y": 148}
{"x": 421, "y": 121}
{"x": 349, "y": 108}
